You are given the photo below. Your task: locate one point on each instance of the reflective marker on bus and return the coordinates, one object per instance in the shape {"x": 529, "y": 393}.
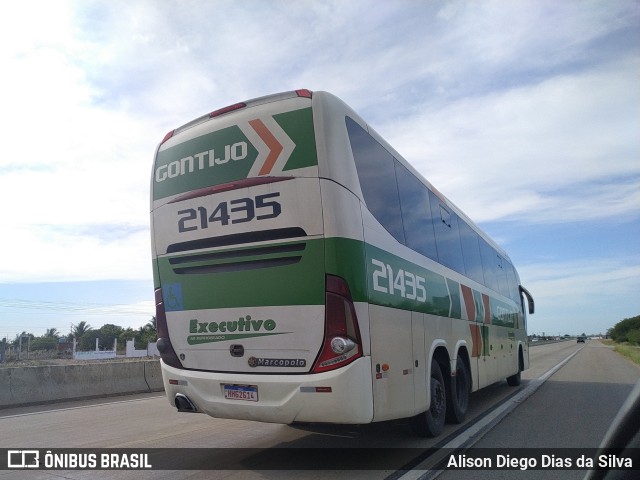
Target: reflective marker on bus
{"x": 305, "y": 272}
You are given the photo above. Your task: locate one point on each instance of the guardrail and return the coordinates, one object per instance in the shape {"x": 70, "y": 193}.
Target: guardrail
{"x": 547, "y": 342}
{"x": 54, "y": 383}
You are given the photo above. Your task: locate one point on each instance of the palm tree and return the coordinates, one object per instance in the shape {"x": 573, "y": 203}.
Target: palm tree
{"x": 152, "y": 325}
{"x": 52, "y": 333}
{"x": 80, "y": 329}
{"x": 151, "y": 330}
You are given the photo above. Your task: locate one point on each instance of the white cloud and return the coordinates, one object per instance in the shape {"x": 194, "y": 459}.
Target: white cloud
{"x": 512, "y": 110}
{"x": 529, "y": 152}
{"x": 57, "y": 254}
{"x": 582, "y": 295}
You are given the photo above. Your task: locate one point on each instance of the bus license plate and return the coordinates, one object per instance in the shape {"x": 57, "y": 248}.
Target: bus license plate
{"x": 248, "y": 393}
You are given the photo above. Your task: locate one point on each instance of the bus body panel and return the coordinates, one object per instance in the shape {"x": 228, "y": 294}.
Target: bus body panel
{"x": 392, "y": 354}
{"x": 493, "y": 354}
{"x": 283, "y": 204}
{"x": 265, "y": 140}
{"x": 420, "y": 389}
{"x": 339, "y": 396}
{"x": 281, "y": 339}
{"x": 265, "y": 296}
{"x": 251, "y": 212}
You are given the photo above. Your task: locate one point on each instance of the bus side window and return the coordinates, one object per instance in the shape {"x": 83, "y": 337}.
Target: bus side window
{"x": 377, "y": 176}
{"x": 514, "y": 294}
{"x": 445, "y": 224}
{"x": 503, "y": 284}
{"x": 489, "y": 265}
{"x": 471, "y": 252}
{"x": 416, "y": 213}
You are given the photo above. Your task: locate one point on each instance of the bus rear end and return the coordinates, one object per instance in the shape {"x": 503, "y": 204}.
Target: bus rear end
{"x": 250, "y": 325}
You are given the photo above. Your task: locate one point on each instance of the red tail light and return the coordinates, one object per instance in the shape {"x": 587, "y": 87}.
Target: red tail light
{"x": 230, "y": 108}
{"x": 303, "y": 92}
{"x": 165, "y": 348}
{"x": 167, "y": 136}
{"x": 342, "y": 343}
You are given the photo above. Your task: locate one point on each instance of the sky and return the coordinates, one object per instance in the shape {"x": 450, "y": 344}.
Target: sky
{"x": 525, "y": 114}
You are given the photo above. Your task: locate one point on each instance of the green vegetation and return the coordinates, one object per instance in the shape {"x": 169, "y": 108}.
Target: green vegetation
{"x": 85, "y": 336}
{"x": 633, "y": 353}
{"x": 627, "y": 330}
{"x": 626, "y": 335}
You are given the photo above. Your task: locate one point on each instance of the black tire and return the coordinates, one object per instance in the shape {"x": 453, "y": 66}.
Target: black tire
{"x": 515, "y": 380}
{"x": 431, "y": 422}
{"x": 458, "y": 399}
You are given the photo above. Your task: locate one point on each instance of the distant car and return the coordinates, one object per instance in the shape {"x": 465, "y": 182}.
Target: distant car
{"x": 581, "y": 339}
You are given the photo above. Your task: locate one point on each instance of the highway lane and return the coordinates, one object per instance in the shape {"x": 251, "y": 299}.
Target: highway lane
{"x": 573, "y": 409}
{"x": 149, "y": 421}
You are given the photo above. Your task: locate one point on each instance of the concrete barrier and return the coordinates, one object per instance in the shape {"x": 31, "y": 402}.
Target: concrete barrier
{"x": 53, "y": 383}
{"x": 153, "y": 376}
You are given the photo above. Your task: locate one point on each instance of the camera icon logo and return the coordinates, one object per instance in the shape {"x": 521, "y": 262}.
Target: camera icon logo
{"x": 23, "y": 458}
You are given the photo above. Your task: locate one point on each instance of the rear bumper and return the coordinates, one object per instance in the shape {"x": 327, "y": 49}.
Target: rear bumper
{"x": 340, "y": 396}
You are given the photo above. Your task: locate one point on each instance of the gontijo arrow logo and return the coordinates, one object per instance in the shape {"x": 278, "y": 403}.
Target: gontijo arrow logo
{"x": 253, "y": 147}
{"x": 273, "y": 144}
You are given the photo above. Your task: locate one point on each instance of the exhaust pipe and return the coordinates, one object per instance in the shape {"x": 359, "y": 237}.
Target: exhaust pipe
{"x": 184, "y": 404}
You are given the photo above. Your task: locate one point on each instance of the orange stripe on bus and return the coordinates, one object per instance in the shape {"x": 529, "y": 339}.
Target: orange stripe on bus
{"x": 487, "y": 308}
{"x": 272, "y": 143}
{"x": 469, "y": 304}
{"x": 476, "y": 340}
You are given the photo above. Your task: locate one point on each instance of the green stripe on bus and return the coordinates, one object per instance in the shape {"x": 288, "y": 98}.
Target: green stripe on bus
{"x": 299, "y": 126}
{"x": 227, "y": 155}
{"x": 373, "y": 276}
{"x": 218, "y": 157}
{"x": 294, "y": 282}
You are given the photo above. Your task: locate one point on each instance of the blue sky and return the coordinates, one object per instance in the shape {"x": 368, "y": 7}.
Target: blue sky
{"x": 526, "y": 114}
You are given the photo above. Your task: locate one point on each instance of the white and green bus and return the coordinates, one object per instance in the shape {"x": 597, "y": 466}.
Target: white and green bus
{"x": 305, "y": 272}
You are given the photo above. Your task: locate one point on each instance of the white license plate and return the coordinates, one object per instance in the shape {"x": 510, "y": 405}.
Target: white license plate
{"x": 247, "y": 393}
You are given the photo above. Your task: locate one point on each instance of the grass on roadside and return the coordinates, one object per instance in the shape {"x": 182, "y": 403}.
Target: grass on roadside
{"x": 631, "y": 352}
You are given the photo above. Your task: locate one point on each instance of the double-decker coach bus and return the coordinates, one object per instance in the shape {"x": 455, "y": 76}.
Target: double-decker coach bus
{"x": 305, "y": 272}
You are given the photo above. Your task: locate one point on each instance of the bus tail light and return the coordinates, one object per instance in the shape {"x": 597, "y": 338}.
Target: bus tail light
{"x": 168, "y": 136}
{"x": 303, "y": 92}
{"x": 342, "y": 344}
{"x": 167, "y": 353}
{"x": 230, "y": 108}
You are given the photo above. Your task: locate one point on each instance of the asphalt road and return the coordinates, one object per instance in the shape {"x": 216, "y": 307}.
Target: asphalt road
{"x": 573, "y": 408}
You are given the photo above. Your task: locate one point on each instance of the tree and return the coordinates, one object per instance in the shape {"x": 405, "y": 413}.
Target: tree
{"x": 633, "y": 337}
{"x": 107, "y": 335}
{"x": 16, "y": 342}
{"x": 127, "y": 334}
{"x": 619, "y": 333}
{"x": 153, "y": 324}
{"x": 87, "y": 341}
{"x": 48, "y": 341}
{"x": 52, "y": 333}
{"x": 80, "y": 329}
{"x": 150, "y": 331}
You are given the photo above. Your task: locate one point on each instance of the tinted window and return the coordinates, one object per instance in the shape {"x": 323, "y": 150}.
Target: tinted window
{"x": 513, "y": 283}
{"x": 471, "y": 252}
{"x": 489, "y": 265}
{"x": 416, "y": 213}
{"x": 503, "y": 286}
{"x": 377, "y": 179}
{"x": 415, "y": 216}
{"x": 445, "y": 225}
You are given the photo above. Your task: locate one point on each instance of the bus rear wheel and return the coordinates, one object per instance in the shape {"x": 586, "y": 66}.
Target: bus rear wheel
{"x": 431, "y": 422}
{"x": 458, "y": 399}
{"x": 516, "y": 379}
